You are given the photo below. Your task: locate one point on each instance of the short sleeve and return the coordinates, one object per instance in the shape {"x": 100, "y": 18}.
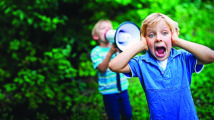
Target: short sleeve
{"x": 191, "y": 62}
{"x": 128, "y": 75}
{"x": 96, "y": 59}
{"x": 133, "y": 65}
{"x": 198, "y": 68}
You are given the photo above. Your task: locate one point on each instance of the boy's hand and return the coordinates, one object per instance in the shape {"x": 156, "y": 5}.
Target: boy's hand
{"x": 140, "y": 45}
{"x": 175, "y": 38}
{"x": 143, "y": 43}
{"x": 113, "y": 49}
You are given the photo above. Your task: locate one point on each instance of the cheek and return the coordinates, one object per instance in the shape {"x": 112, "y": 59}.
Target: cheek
{"x": 169, "y": 41}
{"x": 102, "y": 34}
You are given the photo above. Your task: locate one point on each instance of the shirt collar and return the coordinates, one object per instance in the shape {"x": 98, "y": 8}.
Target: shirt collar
{"x": 148, "y": 57}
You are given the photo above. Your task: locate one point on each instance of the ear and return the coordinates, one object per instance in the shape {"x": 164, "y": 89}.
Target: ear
{"x": 95, "y": 37}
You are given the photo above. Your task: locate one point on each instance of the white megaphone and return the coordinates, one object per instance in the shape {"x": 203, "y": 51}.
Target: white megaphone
{"x": 126, "y": 34}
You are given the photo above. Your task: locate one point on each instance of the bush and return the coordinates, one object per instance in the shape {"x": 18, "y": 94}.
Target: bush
{"x": 45, "y": 47}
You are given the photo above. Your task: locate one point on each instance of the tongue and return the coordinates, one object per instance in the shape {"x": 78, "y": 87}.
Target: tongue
{"x": 160, "y": 50}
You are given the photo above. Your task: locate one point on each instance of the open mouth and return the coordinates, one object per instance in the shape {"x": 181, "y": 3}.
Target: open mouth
{"x": 160, "y": 51}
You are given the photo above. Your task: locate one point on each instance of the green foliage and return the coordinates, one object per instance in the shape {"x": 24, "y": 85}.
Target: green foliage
{"x": 45, "y": 54}
{"x": 85, "y": 66}
{"x": 202, "y": 89}
{"x": 88, "y": 106}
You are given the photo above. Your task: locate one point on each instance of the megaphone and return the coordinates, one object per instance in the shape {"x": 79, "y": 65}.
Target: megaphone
{"x": 125, "y": 35}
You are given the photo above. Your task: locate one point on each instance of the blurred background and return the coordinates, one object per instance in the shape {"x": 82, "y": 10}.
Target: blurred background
{"x": 45, "y": 66}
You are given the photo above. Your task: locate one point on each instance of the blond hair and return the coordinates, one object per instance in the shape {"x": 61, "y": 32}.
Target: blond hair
{"x": 97, "y": 25}
{"x": 155, "y": 18}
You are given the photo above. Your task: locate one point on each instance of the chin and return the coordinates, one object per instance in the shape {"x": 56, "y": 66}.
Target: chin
{"x": 161, "y": 59}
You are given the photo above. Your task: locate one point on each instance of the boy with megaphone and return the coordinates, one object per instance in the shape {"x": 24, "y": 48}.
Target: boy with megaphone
{"x": 164, "y": 72}
{"x": 113, "y": 86}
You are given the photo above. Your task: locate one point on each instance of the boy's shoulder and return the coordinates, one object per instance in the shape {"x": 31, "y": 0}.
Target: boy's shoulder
{"x": 145, "y": 57}
{"x": 179, "y": 50}
{"x": 97, "y": 49}
{"x": 175, "y": 52}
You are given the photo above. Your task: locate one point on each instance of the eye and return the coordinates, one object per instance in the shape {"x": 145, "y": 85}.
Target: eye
{"x": 103, "y": 27}
{"x": 165, "y": 33}
{"x": 151, "y": 35}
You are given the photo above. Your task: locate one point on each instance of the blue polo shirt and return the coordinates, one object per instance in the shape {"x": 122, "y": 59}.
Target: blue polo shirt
{"x": 167, "y": 91}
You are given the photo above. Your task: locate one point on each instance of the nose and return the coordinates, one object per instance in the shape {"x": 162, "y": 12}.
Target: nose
{"x": 159, "y": 38}
{"x": 108, "y": 29}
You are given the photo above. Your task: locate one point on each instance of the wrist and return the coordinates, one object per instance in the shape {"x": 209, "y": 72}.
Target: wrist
{"x": 110, "y": 53}
{"x": 141, "y": 46}
{"x": 178, "y": 42}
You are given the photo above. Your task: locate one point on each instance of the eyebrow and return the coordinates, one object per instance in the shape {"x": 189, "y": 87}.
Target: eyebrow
{"x": 151, "y": 29}
{"x": 165, "y": 27}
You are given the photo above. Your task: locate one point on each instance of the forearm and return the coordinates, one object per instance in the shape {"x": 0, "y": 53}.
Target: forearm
{"x": 203, "y": 54}
{"x": 120, "y": 62}
{"x": 104, "y": 65}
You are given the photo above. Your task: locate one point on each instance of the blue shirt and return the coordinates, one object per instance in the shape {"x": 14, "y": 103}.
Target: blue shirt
{"x": 107, "y": 80}
{"x": 168, "y": 92}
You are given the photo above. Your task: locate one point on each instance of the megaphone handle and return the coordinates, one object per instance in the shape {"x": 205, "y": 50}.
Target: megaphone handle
{"x": 117, "y": 53}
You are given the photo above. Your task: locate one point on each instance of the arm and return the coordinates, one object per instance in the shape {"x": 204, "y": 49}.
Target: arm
{"x": 104, "y": 65}
{"x": 120, "y": 62}
{"x": 203, "y": 54}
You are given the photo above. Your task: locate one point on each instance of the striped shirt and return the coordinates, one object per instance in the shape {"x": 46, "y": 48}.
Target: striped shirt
{"x": 107, "y": 80}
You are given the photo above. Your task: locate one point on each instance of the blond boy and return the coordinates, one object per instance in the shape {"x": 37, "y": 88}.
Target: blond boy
{"x": 164, "y": 72}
